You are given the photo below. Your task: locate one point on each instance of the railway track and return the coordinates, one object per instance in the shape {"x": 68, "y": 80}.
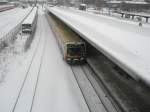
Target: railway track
{"x": 94, "y": 95}
{"x": 112, "y": 90}
{"x": 114, "y": 93}
{"x": 103, "y": 94}
{"x": 38, "y": 76}
{"x": 108, "y": 88}
{"x": 31, "y": 76}
{"x": 127, "y": 94}
{"x": 27, "y": 73}
{"x": 8, "y": 36}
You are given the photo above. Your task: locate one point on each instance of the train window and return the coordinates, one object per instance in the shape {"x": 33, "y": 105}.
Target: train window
{"x": 26, "y": 28}
{"x": 74, "y": 51}
{"x": 26, "y": 25}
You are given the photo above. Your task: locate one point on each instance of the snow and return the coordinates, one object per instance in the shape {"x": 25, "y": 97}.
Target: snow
{"x": 129, "y": 2}
{"x": 24, "y": 103}
{"x": 124, "y": 43}
{"x": 49, "y": 86}
{"x": 57, "y": 89}
{"x": 5, "y": 6}
{"x": 30, "y": 18}
{"x": 16, "y": 62}
{"x": 109, "y": 15}
{"x": 10, "y": 19}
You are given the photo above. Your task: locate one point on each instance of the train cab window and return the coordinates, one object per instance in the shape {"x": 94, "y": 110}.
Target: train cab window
{"x": 26, "y": 26}
{"x": 74, "y": 51}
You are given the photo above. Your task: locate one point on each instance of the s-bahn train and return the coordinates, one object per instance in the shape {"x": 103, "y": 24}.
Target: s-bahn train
{"x": 72, "y": 46}
{"x": 29, "y": 24}
{"x": 82, "y": 7}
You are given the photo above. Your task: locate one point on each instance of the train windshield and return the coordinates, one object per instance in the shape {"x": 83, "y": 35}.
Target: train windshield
{"x": 26, "y": 26}
{"x": 75, "y": 50}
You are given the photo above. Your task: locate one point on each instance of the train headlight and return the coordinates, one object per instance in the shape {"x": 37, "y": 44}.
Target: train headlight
{"x": 68, "y": 59}
{"x": 81, "y": 58}
{"x": 76, "y": 59}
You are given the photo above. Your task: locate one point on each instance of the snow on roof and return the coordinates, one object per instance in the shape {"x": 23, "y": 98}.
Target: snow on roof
{"x": 4, "y": 6}
{"x": 128, "y": 2}
{"x": 82, "y": 4}
{"x": 125, "y": 44}
{"x": 31, "y": 16}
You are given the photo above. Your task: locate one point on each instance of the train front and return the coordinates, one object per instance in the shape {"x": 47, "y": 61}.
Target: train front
{"x": 26, "y": 28}
{"x": 76, "y": 53}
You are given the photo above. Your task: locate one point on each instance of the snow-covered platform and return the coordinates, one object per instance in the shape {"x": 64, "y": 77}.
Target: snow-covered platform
{"x": 124, "y": 43}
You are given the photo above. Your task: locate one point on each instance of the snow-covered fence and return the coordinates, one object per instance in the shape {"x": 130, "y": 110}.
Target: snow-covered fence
{"x": 8, "y": 37}
{"x": 132, "y": 15}
{"x": 123, "y": 15}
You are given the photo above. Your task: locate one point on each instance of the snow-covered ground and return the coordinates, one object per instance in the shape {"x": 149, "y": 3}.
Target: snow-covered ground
{"x": 14, "y": 63}
{"x": 111, "y": 13}
{"x": 57, "y": 89}
{"x": 124, "y": 43}
{"x": 13, "y": 67}
{"x": 49, "y": 84}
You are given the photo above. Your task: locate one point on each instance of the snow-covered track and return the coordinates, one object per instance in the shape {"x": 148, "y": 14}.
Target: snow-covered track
{"x": 55, "y": 89}
{"x": 121, "y": 89}
{"x": 31, "y": 79}
{"x": 27, "y": 73}
{"x": 125, "y": 44}
{"x": 99, "y": 89}
{"x": 11, "y": 27}
{"x": 95, "y": 97}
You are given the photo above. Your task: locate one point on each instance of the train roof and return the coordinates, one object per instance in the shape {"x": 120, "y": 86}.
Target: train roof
{"x": 65, "y": 34}
{"x": 31, "y": 16}
{"x": 83, "y": 5}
